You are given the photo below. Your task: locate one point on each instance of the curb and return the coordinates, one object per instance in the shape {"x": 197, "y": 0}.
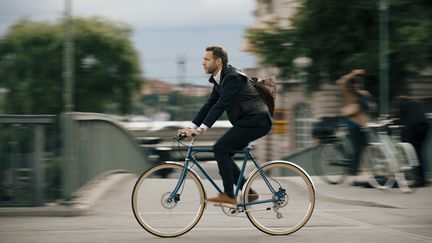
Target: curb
{"x": 82, "y": 203}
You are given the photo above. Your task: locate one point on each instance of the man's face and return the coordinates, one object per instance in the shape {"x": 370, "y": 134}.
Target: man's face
{"x": 210, "y": 64}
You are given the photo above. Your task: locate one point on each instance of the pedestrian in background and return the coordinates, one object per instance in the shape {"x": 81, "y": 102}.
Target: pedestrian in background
{"x": 415, "y": 129}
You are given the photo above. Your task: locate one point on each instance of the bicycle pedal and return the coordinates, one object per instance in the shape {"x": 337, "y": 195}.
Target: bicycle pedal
{"x": 233, "y": 211}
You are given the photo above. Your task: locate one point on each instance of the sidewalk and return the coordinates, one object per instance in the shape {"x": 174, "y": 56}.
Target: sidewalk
{"x": 91, "y": 194}
{"x": 82, "y": 203}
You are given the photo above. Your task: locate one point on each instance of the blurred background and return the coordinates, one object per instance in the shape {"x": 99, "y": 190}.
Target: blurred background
{"x": 91, "y": 87}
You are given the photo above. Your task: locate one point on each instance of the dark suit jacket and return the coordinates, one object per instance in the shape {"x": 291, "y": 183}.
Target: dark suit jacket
{"x": 411, "y": 113}
{"x": 238, "y": 97}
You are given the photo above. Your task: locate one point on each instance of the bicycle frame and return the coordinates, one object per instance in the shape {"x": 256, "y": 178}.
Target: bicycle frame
{"x": 388, "y": 145}
{"x": 247, "y": 156}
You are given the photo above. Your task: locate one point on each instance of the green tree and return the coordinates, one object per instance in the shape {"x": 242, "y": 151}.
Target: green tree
{"x": 106, "y": 66}
{"x": 343, "y": 35}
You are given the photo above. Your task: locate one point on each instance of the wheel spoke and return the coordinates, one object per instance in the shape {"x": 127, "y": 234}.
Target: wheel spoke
{"x": 291, "y": 209}
{"x": 151, "y": 205}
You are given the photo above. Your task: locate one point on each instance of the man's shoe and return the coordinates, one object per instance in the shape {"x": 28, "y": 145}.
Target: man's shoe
{"x": 223, "y": 200}
{"x": 253, "y": 196}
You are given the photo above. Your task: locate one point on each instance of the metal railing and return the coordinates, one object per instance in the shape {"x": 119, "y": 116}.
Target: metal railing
{"x": 33, "y": 168}
{"x": 26, "y": 145}
{"x": 94, "y": 145}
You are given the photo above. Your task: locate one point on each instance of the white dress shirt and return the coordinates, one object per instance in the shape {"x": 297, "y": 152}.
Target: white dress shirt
{"x": 204, "y": 127}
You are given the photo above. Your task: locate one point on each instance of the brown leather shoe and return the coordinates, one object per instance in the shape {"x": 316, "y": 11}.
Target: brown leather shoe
{"x": 223, "y": 200}
{"x": 253, "y": 196}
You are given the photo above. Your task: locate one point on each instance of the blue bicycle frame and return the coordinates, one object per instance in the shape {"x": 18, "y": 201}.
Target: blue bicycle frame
{"x": 247, "y": 156}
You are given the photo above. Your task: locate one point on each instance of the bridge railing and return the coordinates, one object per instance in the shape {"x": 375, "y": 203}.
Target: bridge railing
{"x": 28, "y": 145}
{"x": 95, "y": 144}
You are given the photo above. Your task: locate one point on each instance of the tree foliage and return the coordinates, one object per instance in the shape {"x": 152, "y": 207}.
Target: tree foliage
{"x": 343, "y": 35}
{"x": 106, "y": 66}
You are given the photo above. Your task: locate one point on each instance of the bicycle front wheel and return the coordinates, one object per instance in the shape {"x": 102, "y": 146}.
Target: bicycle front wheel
{"x": 161, "y": 212}
{"x": 330, "y": 163}
{"x": 286, "y": 198}
{"x": 376, "y": 167}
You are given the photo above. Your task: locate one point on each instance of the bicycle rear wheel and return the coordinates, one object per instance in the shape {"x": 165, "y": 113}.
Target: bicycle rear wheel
{"x": 376, "y": 167}
{"x": 408, "y": 163}
{"x": 286, "y": 209}
{"x": 330, "y": 163}
{"x": 156, "y": 212}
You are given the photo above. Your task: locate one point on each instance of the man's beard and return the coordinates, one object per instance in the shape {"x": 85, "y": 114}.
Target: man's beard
{"x": 211, "y": 69}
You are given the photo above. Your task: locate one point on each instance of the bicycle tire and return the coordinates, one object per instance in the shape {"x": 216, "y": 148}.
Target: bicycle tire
{"x": 296, "y": 202}
{"x": 155, "y": 212}
{"x": 376, "y": 167}
{"x": 330, "y": 163}
{"x": 408, "y": 163}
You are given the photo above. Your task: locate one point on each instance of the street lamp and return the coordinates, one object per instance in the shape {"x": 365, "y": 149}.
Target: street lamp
{"x": 383, "y": 56}
{"x": 69, "y": 164}
{"x": 68, "y": 72}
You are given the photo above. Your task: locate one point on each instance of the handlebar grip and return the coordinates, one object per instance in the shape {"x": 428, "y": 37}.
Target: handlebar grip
{"x": 182, "y": 136}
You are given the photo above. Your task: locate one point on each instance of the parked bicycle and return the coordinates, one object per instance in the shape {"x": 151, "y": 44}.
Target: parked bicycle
{"x": 385, "y": 161}
{"x": 334, "y": 154}
{"x": 172, "y": 206}
{"x": 388, "y": 162}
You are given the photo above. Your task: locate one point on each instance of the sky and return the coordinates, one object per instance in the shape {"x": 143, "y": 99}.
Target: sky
{"x": 163, "y": 30}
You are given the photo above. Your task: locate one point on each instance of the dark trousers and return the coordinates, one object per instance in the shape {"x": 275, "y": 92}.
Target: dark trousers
{"x": 358, "y": 139}
{"x": 416, "y": 135}
{"x": 234, "y": 139}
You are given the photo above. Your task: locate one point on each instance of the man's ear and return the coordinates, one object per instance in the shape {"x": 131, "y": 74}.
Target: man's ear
{"x": 219, "y": 61}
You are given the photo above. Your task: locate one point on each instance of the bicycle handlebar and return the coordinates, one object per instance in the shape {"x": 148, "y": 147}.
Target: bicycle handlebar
{"x": 182, "y": 136}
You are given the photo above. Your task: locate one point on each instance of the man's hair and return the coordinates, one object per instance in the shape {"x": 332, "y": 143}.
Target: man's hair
{"x": 358, "y": 79}
{"x": 219, "y": 52}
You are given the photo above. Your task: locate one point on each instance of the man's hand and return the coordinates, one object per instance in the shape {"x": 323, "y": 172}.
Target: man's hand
{"x": 357, "y": 72}
{"x": 190, "y": 132}
{"x": 183, "y": 131}
{"x": 194, "y": 132}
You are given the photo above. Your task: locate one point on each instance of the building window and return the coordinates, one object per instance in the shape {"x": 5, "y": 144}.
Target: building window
{"x": 303, "y": 126}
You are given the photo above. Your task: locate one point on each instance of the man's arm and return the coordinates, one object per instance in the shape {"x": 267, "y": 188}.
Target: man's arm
{"x": 343, "y": 81}
{"x": 196, "y": 127}
{"x": 203, "y": 112}
{"x": 231, "y": 85}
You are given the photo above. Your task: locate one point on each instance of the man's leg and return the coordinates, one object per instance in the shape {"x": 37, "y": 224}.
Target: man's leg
{"x": 234, "y": 139}
{"x": 417, "y": 137}
{"x": 358, "y": 141}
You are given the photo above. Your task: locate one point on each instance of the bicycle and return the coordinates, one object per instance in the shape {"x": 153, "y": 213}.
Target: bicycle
{"x": 387, "y": 161}
{"x": 384, "y": 161}
{"x": 334, "y": 152}
{"x": 172, "y": 206}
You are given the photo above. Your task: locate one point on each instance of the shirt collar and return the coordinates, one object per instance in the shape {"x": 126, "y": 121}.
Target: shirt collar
{"x": 217, "y": 77}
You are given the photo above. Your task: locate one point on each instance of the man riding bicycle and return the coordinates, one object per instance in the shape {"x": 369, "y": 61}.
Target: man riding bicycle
{"x": 233, "y": 93}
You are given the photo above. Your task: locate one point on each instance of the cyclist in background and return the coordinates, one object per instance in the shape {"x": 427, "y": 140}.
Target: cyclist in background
{"x": 357, "y": 104}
